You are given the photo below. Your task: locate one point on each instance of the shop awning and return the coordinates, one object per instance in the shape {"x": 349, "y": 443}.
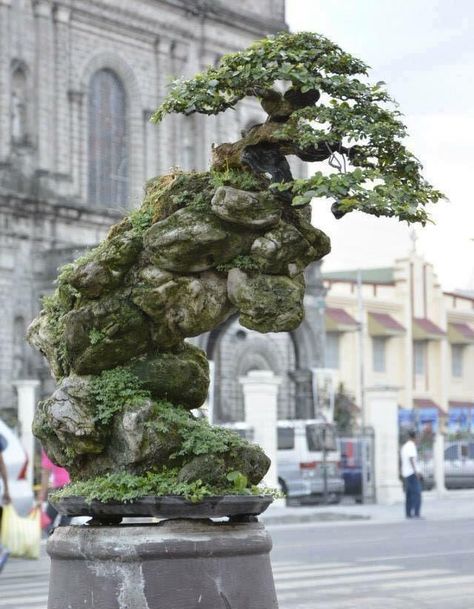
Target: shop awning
{"x": 426, "y": 403}
{"x": 425, "y": 329}
{"x": 460, "y": 333}
{"x": 339, "y": 320}
{"x": 383, "y": 324}
{"x": 460, "y": 404}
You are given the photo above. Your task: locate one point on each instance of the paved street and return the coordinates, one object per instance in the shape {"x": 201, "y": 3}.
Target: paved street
{"x": 341, "y": 565}
{"x": 405, "y": 565}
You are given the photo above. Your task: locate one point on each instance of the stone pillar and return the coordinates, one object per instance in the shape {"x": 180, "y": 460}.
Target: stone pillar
{"x": 5, "y": 79}
{"x": 150, "y": 164}
{"x": 45, "y": 68}
{"x": 164, "y": 131}
{"x": 438, "y": 463}
{"x": 26, "y": 410}
{"x": 304, "y": 406}
{"x": 260, "y": 397}
{"x": 62, "y": 17}
{"x": 175, "y": 564}
{"x": 76, "y": 103}
{"x": 382, "y": 416}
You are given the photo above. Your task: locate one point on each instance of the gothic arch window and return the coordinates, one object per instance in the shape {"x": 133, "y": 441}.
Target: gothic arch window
{"x": 19, "y": 110}
{"x": 107, "y": 140}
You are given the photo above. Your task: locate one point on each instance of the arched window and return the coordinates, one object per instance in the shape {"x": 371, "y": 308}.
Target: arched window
{"x": 19, "y": 105}
{"x": 108, "y": 146}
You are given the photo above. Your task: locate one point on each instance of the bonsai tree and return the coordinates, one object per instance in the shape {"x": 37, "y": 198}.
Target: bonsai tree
{"x": 202, "y": 247}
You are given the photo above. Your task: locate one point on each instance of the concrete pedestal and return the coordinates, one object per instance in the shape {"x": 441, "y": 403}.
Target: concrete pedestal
{"x": 175, "y": 564}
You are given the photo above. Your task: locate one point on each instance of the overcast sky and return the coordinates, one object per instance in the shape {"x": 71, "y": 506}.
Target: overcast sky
{"x": 424, "y": 51}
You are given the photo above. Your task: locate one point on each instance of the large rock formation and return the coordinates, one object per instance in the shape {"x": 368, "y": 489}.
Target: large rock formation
{"x": 114, "y": 330}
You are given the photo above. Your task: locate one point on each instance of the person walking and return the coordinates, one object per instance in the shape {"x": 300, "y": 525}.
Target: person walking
{"x": 55, "y": 477}
{"x": 4, "y": 553}
{"x": 411, "y": 476}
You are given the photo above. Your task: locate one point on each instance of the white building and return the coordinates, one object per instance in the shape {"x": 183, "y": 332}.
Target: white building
{"x": 415, "y": 337}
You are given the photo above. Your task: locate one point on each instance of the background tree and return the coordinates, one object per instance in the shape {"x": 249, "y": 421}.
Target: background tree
{"x": 345, "y": 411}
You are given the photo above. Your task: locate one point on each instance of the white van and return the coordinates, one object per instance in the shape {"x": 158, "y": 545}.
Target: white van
{"x": 308, "y": 462}
{"x": 16, "y": 462}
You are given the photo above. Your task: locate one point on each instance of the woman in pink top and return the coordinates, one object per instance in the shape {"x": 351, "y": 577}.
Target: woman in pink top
{"x": 54, "y": 477}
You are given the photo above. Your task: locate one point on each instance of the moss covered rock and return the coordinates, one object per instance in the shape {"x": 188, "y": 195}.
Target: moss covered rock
{"x": 283, "y": 251}
{"x": 181, "y": 377}
{"x": 253, "y": 210}
{"x": 105, "y": 333}
{"x": 267, "y": 303}
{"x": 249, "y": 460}
{"x": 181, "y": 305}
{"x": 199, "y": 249}
{"x": 192, "y": 240}
{"x": 66, "y": 422}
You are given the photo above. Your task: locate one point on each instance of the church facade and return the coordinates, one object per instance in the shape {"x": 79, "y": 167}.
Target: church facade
{"x": 79, "y": 80}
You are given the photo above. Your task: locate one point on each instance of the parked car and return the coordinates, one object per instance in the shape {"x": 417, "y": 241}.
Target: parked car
{"x": 16, "y": 462}
{"x": 351, "y": 466}
{"x": 458, "y": 465}
{"x": 308, "y": 462}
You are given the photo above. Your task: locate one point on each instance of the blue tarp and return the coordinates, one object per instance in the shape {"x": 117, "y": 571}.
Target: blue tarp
{"x": 421, "y": 419}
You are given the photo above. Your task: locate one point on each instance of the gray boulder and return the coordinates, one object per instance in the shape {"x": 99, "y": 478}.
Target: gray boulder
{"x": 283, "y": 251}
{"x": 181, "y": 305}
{"x": 253, "y": 210}
{"x": 66, "y": 422}
{"x": 190, "y": 241}
{"x": 105, "y": 333}
{"x": 267, "y": 303}
{"x": 180, "y": 377}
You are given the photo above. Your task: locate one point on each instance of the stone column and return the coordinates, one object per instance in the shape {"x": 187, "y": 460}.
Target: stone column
{"x": 382, "y": 416}
{"x": 44, "y": 83}
{"x": 304, "y": 406}
{"x": 150, "y": 164}
{"x": 438, "y": 464}
{"x": 5, "y": 91}
{"x": 163, "y": 131}
{"x": 62, "y": 17}
{"x": 76, "y": 102}
{"x": 26, "y": 409}
{"x": 260, "y": 396}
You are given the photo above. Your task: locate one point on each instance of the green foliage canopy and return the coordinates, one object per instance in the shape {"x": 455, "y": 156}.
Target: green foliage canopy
{"x": 380, "y": 176}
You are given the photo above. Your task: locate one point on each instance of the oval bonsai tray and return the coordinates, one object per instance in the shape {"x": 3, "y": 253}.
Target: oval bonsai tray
{"x": 169, "y": 506}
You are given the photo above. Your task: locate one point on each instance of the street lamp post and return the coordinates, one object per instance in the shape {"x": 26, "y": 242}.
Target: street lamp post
{"x": 360, "y": 335}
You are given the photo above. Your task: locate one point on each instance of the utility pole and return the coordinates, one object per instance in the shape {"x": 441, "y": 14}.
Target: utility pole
{"x": 360, "y": 330}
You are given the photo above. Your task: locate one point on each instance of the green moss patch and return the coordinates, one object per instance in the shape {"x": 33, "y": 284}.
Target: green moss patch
{"x": 167, "y": 194}
{"x": 125, "y": 487}
{"x": 114, "y": 388}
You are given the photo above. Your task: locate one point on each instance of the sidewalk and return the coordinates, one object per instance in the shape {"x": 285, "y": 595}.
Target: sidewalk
{"x": 454, "y": 505}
